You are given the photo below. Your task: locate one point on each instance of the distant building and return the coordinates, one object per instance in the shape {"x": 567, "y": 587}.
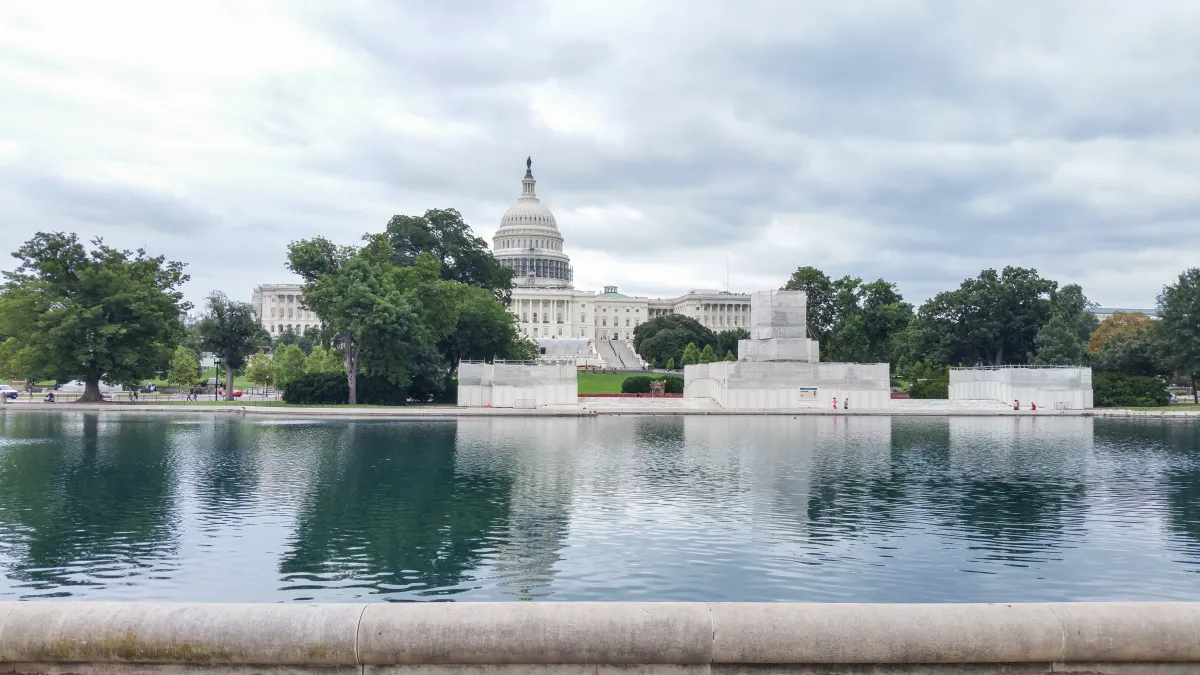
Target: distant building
{"x": 1103, "y": 313}
{"x": 549, "y": 307}
{"x": 278, "y": 308}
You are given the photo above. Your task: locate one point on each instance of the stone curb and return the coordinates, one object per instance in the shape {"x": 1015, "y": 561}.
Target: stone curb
{"x": 619, "y": 634}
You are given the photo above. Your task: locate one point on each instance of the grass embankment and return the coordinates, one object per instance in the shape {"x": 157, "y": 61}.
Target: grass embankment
{"x": 606, "y": 383}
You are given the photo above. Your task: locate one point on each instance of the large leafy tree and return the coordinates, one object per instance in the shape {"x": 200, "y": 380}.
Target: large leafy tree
{"x": 665, "y": 337}
{"x": 443, "y": 234}
{"x": 726, "y": 341}
{"x": 1179, "y": 310}
{"x": 389, "y": 319}
{"x": 992, "y": 319}
{"x": 288, "y": 364}
{"x": 100, "y": 314}
{"x": 184, "y": 368}
{"x": 1140, "y": 349}
{"x": 1118, "y": 322}
{"x": 230, "y": 330}
{"x": 1058, "y": 344}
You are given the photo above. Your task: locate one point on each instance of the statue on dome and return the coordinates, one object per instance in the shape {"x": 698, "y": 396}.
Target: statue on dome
{"x": 529, "y": 163}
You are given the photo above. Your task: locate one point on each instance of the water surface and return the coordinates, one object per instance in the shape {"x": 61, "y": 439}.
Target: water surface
{"x": 201, "y": 508}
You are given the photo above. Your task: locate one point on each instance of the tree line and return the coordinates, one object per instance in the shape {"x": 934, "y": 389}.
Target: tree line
{"x": 1010, "y": 317}
{"x": 400, "y": 310}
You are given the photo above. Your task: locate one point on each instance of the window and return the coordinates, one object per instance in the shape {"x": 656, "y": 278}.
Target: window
{"x": 535, "y": 317}
{"x": 626, "y": 322}
{"x": 604, "y": 322}
{"x": 582, "y": 306}
{"x": 583, "y": 318}
{"x": 626, "y": 310}
{"x": 560, "y": 319}
{"x": 605, "y": 310}
{"x": 524, "y": 317}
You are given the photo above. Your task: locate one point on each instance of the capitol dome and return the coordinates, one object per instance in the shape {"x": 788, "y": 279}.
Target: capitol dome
{"x": 528, "y": 241}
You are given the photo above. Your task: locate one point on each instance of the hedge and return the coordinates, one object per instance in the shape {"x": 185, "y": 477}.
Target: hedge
{"x": 640, "y": 384}
{"x": 1117, "y": 389}
{"x": 332, "y": 389}
{"x": 935, "y": 388}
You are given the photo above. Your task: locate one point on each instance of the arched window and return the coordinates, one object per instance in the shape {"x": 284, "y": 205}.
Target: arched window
{"x": 604, "y": 321}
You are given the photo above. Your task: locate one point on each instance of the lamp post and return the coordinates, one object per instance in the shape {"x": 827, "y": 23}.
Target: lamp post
{"x": 216, "y": 377}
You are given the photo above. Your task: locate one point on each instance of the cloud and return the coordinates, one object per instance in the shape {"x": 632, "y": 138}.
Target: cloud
{"x": 916, "y": 141}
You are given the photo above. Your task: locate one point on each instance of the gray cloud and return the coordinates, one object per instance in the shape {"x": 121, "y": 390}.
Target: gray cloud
{"x": 915, "y": 141}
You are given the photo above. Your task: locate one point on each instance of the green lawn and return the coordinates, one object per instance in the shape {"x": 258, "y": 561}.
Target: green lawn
{"x": 605, "y": 383}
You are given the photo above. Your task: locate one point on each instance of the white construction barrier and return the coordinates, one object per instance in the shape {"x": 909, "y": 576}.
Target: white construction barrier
{"x": 745, "y": 385}
{"x": 1050, "y": 387}
{"x": 516, "y": 385}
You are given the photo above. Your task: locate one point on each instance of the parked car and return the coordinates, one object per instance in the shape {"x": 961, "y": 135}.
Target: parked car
{"x": 8, "y": 391}
{"x": 237, "y": 393}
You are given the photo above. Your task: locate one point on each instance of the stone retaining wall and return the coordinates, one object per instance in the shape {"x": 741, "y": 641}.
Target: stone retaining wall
{"x": 585, "y": 638}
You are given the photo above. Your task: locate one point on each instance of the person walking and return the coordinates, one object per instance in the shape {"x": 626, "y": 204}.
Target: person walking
{"x": 835, "y": 403}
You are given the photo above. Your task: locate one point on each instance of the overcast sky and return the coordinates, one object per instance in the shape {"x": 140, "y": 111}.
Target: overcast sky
{"x": 919, "y": 142}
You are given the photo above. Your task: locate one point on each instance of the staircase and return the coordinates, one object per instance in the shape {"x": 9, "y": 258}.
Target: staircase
{"x": 617, "y": 355}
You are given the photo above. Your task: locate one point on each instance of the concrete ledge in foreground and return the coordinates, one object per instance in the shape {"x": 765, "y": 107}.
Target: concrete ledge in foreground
{"x": 594, "y": 638}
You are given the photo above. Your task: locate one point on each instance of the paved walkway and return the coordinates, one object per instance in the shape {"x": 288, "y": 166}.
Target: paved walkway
{"x": 586, "y": 408}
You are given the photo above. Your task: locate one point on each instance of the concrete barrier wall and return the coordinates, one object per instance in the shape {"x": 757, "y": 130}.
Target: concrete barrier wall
{"x": 515, "y": 385}
{"x": 102, "y": 637}
{"x": 1048, "y": 387}
{"x": 747, "y": 385}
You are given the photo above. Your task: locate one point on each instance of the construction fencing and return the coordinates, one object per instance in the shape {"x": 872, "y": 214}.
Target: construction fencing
{"x": 1050, "y": 387}
{"x": 523, "y": 384}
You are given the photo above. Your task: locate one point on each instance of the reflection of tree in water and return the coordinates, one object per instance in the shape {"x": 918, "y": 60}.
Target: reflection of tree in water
{"x": 1181, "y": 478}
{"x": 859, "y": 481}
{"x": 228, "y": 466}
{"x": 78, "y": 505}
{"x": 388, "y": 510}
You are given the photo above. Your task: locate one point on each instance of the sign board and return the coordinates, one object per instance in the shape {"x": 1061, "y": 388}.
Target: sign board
{"x": 808, "y": 393}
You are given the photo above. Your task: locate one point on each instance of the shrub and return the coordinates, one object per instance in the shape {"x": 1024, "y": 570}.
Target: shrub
{"x": 671, "y": 364}
{"x": 674, "y": 384}
{"x": 317, "y": 389}
{"x": 932, "y": 388}
{"x": 636, "y": 384}
{"x": 1117, "y": 389}
{"x": 332, "y": 389}
{"x": 640, "y": 384}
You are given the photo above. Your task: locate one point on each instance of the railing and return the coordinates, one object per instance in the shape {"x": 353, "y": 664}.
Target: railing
{"x": 619, "y": 637}
{"x": 1030, "y": 367}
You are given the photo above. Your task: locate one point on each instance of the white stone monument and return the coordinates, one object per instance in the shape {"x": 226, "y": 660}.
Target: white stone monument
{"x": 779, "y": 367}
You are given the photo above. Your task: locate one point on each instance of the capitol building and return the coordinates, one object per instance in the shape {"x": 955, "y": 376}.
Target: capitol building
{"x": 594, "y": 328}
{"x": 567, "y": 321}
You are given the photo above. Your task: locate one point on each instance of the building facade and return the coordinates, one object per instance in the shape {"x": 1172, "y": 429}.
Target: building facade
{"x": 549, "y": 307}
{"x": 278, "y": 308}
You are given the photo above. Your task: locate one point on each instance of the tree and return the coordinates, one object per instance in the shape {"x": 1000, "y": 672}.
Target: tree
{"x": 230, "y": 331}
{"x": 323, "y": 360}
{"x": 104, "y": 314}
{"x": 1141, "y": 349}
{"x": 184, "y": 368}
{"x": 389, "y": 319}
{"x": 665, "y": 337}
{"x": 729, "y": 356}
{"x": 691, "y": 355}
{"x": 727, "y": 340}
{"x": 707, "y": 355}
{"x": 819, "y": 300}
{"x": 1058, "y": 343}
{"x": 670, "y": 364}
{"x": 1071, "y": 303}
{"x": 992, "y": 319}
{"x": 305, "y": 340}
{"x": 261, "y": 370}
{"x": 444, "y": 235}
{"x": 1179, "y": 310}
{"x": 1116, "y": 323}
{"x": 289, "y": 363}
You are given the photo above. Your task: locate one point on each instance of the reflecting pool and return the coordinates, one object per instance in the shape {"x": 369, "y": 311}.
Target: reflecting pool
{"x": 931, "y": 509}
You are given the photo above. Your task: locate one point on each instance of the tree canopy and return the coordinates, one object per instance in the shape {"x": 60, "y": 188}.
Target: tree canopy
{"x": 102, "y": 314}
{"x": 230, "y": 330}
{"x": 464, "y": 257}
{"x": 665, "y": 337}
{"x": 992, "y": 319}
{"x": 1179, "y": 310}
{"x": 1117, "y": 322}
{"x": 400, "y": 323}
